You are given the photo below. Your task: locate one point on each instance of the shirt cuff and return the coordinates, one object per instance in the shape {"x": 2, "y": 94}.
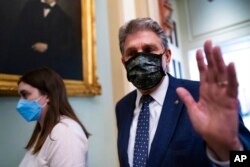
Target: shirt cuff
{"x": 213, "y": 158}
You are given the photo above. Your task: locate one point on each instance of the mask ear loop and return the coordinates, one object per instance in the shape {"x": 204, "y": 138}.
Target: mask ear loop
{"x": 164, "y": 48}
{"x": 37, "y": 100}
{"x": 44, "y": 105}
{"x": 164, "y": 71}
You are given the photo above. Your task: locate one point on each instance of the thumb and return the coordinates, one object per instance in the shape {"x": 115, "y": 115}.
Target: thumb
{"x": 187, "y": 99}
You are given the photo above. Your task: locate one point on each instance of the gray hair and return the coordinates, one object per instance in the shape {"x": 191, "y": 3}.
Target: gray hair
{"x": 141, "y": 24}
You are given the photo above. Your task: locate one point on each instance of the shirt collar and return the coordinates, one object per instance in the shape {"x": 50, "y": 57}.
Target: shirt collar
{"x": 52, "y": 4}
{"x": 159, "y": 94}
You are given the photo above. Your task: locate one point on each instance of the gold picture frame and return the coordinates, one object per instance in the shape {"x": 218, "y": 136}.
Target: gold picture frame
{"x": 89, "y": 85}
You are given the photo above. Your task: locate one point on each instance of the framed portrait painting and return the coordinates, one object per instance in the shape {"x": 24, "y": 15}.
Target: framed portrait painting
{"x": 60, "y": 36}
{"x": 165, "y": 14}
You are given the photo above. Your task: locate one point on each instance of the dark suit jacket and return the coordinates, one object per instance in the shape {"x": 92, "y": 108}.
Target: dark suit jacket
{"x": 175, "y": 144}
{"x": 63, "y": 54}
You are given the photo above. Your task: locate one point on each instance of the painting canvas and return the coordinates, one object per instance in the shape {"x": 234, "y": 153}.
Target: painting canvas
{"x": 59, "y": 36}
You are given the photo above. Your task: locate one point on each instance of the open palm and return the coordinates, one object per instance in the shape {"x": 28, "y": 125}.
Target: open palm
{"x": 215, "y": 115}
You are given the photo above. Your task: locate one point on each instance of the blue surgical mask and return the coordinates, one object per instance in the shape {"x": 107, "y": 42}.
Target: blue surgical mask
{"x": 30, "y": 109}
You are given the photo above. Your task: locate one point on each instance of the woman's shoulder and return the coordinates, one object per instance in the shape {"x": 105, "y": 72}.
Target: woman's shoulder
{"x": 69, "y": 127}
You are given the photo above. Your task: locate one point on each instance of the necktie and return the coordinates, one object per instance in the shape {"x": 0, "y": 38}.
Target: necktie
{"x": 142, "y": 134}
{"x": 46, "y": 6}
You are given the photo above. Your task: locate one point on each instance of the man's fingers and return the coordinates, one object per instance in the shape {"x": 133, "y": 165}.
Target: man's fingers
{"x": 209, "y": 53}
{"x": 232, "y": 89}
{"x": 201, "y": 65}
{"x": 208, "y": 48}
{"x": 187, "y": 99}
{"x": 220, "y": 67}
{"x": 219, "y": 62}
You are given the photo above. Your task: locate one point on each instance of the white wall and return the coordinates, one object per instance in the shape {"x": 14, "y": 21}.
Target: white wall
{"x": 219, "y": 20}
{"x": 97, "y": 113}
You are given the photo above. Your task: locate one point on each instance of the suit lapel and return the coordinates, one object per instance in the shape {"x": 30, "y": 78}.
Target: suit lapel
{"x": 167, "y": 123}
{"x": 127, "y": 118}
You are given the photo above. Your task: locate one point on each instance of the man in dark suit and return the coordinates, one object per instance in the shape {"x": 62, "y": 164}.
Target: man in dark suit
{"x": 45, "y": 36}
{"x": 188, "y": 123}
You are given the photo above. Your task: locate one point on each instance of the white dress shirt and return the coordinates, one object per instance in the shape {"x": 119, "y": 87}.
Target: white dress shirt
{"x": 155, "y": 112}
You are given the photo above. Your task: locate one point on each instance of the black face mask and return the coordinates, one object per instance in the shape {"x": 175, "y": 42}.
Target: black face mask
{"x": 145, "y": 70}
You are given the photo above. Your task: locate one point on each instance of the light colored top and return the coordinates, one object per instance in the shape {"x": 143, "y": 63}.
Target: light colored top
{"x": 155, "y": 108}
{"x": 66, "y": 146}
{"x": 155, "y": 112}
